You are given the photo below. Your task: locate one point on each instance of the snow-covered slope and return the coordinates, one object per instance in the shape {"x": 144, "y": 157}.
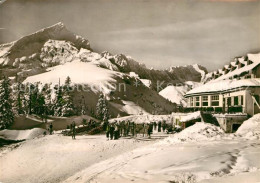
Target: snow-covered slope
{"x": 87, "y": 73}
{"x": 176, "y": 93}
{"x": 132, "y": 108}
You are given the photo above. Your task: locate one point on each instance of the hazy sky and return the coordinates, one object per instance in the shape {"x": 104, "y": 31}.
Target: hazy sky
{"x": 159, "y": 33}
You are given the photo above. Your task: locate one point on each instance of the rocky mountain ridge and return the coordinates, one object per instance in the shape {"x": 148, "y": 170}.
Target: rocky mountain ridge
{"x": 56, "y": 45}
{"x": 47, "y": 52}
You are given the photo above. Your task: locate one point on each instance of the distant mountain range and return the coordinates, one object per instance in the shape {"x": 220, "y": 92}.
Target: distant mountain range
{"x": 53, "y": 53}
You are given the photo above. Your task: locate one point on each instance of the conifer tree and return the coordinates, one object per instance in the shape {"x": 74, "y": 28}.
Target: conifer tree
{"x": 102, "y": 108}
{"x": 6, "y": 112}
{"x": 67, "y": 105}
{"x": 19, "y": 103}
{"x": 58, "y": 101}
{"x": 63, "y": 105}
{"x": 47, "y": 92}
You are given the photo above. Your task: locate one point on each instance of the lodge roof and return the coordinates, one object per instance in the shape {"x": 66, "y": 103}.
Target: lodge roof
{"x": 248, "y": 62}
{"x": 224, "y": 86}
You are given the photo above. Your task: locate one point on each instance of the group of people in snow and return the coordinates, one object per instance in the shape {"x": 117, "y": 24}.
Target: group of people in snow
{"x": 117, "y": 129}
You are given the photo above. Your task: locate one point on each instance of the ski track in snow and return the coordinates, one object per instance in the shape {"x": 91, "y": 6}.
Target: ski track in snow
{"x": 55, "y": 158}
{"x": 116, "y": 169}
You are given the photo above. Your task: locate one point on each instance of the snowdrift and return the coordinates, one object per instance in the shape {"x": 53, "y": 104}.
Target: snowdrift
{"x": 250, "y": 129}
{"x": 198, "y": 132}
{"x": 21, "y": 134}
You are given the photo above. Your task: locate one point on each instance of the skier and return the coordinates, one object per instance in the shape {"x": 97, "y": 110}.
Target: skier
{"x": 164, "y": 126}
{"x": 73, "y": 129}
{"x": 121, "y": 128}
{"x": 133, "y": 129}
{"x": 155, "y": 125}
{"x": 51, "y": 128}
{"x": 111, "y": 131}
{"x": 116, "y": 131}
{"x": 125, "y": 129}
{"x": 107, "y": 131}
{"x": 150, "y": 129}
{"x": 128, "y": 127}
{"x": 159, "y": 126}
{"x": 144, "y": 126}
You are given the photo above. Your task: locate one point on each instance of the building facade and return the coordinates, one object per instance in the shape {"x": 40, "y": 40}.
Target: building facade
{"x": 234, "y": 88}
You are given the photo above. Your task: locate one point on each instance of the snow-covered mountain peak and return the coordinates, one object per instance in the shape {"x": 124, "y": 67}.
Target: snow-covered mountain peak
{"x": 201, "y": 71}
{"x": 34, "y": 42}
{"x": 106, "y": 54}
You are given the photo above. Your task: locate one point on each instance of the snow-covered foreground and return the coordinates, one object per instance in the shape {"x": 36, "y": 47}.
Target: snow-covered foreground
{"x": 188, "y": 162}
{"x": 54, "y": 158}
{"x": 200, "y": 153}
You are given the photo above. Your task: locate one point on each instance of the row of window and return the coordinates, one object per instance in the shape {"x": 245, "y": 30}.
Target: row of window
{"x": 229, "y": 101}
{"x": 195, "y": 101}
{"x": 234, "y": 101}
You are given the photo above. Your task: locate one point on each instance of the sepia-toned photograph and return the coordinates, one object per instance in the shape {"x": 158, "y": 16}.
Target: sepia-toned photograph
{"x": 129, "y": 91}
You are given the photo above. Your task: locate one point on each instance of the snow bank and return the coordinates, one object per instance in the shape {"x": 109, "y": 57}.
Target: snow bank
{"x": 250, "y": 129}
{"x": 21, "y": 134}
{"x": 198, "y": 132}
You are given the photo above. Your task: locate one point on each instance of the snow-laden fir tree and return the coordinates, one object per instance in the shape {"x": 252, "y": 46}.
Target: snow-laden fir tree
{"x": 18, "y": 96}
{"x": 47, "y": 92}
{"x": 6, "y": 112}
{"x": 40, "y": 107}
{"x": 58, "y": 101}
{"x": 67, "y": 105}
{"x": 106, "y": 114}
{"x": 102, "y": 108}
{"x": 63, "y": 104}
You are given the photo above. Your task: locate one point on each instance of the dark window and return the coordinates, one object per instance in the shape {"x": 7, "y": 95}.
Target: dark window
{"x": 229, "y": 101}
{"x": 215, "y": 103}
{"x": 205, "y": 103}
{"x": 242, "y": 100}
{"x": 235, "y": 100}
{"x": 197, "y": 101}
{"x": 257, "y": 98}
